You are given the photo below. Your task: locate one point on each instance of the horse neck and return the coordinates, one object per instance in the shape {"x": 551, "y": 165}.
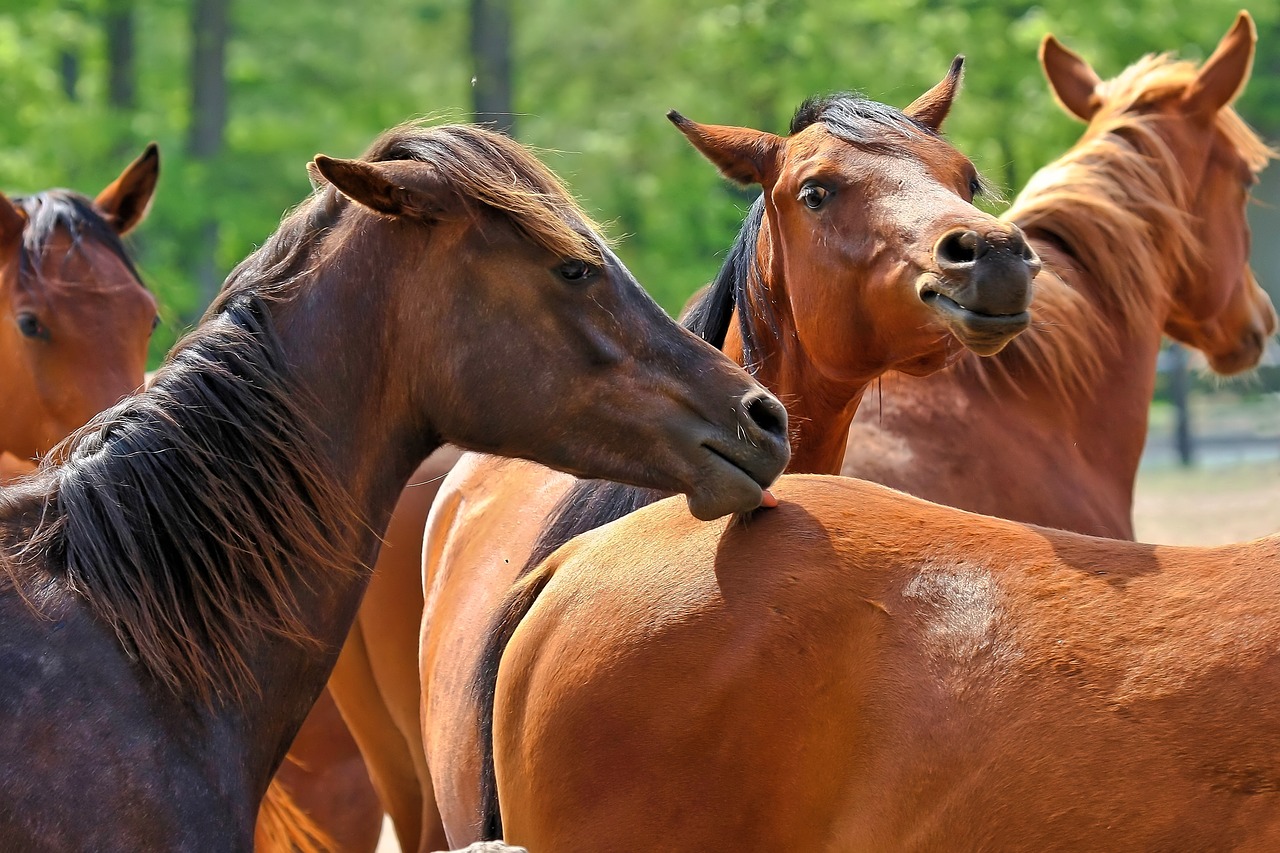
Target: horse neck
{"x": 1109, "y": 413}
{"x": 372, "y": 450}
{"x": 819, "y": 412}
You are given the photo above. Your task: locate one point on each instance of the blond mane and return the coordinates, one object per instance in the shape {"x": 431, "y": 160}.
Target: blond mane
{"x": 1118, "y": 202}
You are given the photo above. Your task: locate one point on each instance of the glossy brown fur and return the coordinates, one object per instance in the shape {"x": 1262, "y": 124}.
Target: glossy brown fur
{"x": 1142, "y": 231}
{"x": 832, "y": 299}
{"x": 859, "y": 670}
{"x": 74, "y": 317}
{"x": 195, "y": 556}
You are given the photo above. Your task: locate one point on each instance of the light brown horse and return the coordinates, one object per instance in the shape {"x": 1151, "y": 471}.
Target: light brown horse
{"x": 1142, "y": 229}
{"x": 176, "y": 590}
{"x": 863, "y": 255}
{"x": 859, "y": 670}
{"x": 75, "y": 318}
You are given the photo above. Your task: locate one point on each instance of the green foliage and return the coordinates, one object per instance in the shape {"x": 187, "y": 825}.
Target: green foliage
{"x": 593, "y": 80}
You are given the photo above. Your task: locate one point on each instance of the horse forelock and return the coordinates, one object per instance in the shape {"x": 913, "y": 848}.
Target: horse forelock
{"x": 858, "y": 120}
{"x": 493, "y": 170}
{"x": 181, "y": 516}
{"x": 1119, "y": 205}
{"x": 52, "y": 211}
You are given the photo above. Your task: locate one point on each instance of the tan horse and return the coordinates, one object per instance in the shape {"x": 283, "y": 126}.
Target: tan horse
{"x": 1142, "y": 230}
{"x": 175, "y": 589}
{"x": 75, "y": 318}
{"x": 859, "y": 258}
{"x": 859, "y": 670}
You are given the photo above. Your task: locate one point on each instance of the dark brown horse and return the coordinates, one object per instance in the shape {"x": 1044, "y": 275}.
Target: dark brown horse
{"x": 75, "y": 318}
{"x": 176, "y": 590}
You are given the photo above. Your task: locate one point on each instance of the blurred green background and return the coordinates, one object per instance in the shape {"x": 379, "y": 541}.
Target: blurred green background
{"x": 241, "y": 94}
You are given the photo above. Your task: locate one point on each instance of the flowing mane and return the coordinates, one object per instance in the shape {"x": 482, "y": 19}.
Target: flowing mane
{"x": 1118, "y": 204}
{"x": 179, "y": 516}
{"x": 54, "y": 210}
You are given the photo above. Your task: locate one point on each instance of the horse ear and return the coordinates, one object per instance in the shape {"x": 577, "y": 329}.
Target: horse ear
{"x": 741, "y": 154}
{"x": 12, "y": 221}
{"x": 395, "y": 187}
{"x": 1073, "y": 83}
{"x": 931, "y": 108}
{"x": 1222, "y": 77}
{"x": 126, "y": 200}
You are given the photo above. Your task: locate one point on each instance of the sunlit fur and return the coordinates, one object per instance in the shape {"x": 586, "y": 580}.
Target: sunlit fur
{"x": 1118, "y": 202}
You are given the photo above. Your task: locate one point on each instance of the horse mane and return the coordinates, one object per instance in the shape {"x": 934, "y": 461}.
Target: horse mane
{"x": 179, "y": 517}
{"x": 486, "y": 170}
{"x": 1118, "y": 204}
{"x": 57, "y": 210}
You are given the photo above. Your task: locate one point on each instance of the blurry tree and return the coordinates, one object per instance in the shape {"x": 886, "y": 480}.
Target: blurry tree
{"x": 210, "y": 31}
{"x": 491, "y": 60}
{"x": 586, "y": 81}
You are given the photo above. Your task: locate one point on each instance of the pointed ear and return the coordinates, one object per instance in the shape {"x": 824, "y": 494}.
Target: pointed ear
{"x": 126, "y": 200}
{"x": 12, "y": 221}
{"x": 1073, "y": 83}
{"x": 931, "y": 108}
{"x": 405, "y": 188}
{"x": 1222, "y": 77}
{"x": 740, "y": 153}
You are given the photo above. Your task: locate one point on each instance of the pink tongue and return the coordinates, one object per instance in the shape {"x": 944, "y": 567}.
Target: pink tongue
{"x": 767, "y": 499}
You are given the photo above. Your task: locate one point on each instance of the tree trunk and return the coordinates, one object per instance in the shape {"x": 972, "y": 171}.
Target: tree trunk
{"x": 491, "y": 61}
{"x": 121, "y": 68}
{"x": 210, "y": 30}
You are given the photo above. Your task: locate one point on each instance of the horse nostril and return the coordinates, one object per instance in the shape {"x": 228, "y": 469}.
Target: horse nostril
{"x": 959, "y": 248}
{"x": 767, "y": 413}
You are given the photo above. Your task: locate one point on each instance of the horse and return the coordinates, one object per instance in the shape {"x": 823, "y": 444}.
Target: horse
{"x": 1142, "y": 229}
{"x": 659, "y": 714}
{"x": 75, "y": 317}
{"x": 864, "y": 254}
{"x": 178, "y": 576}
{"x": 860, "y": 670}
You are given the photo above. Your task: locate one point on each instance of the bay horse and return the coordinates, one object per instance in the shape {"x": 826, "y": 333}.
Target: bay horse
{"x": 864, "y": 254}
{"x": 860, "y": 670}
{"x": 1142, "y": 230}
{"x": 177, "y": 583}
{"x": 75, "y": 317}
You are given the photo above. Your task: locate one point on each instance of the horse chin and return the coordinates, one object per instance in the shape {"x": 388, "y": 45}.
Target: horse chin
{"x": 724, "y": 489}
{"x": 1237, "y": 361}
{"x": 984, "y": 334}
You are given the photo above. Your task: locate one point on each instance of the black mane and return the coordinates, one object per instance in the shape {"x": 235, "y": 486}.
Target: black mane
{"x": 51, "y": 210}
{"x": 857, "y": 120}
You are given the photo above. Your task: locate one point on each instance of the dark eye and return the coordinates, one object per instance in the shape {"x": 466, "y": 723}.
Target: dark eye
{"x": 975, "y": 187}
{"x": 31, "y": 327}
{"x": 814, "y": 195}
{"x": 155, "y": 322}
{"x": 576, "y": 270}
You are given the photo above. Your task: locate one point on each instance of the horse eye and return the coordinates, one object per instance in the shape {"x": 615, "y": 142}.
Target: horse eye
{"x": 31, "y": 327}
{"x": 814, "y": 195}
{"x": 975, "y": 187}
{"x": 155, "y": 322}
{"x": 576, "y": 270}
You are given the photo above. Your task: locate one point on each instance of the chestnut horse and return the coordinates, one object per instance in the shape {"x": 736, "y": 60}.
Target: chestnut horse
{"x": 886, "y": 641}
{"x": 1142, "y": 229}
{"x": 177, "y": 588}
{"x": 859, "y": 670}
{"x": 859, "y": 258}
{"x": 75, "y": 318}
